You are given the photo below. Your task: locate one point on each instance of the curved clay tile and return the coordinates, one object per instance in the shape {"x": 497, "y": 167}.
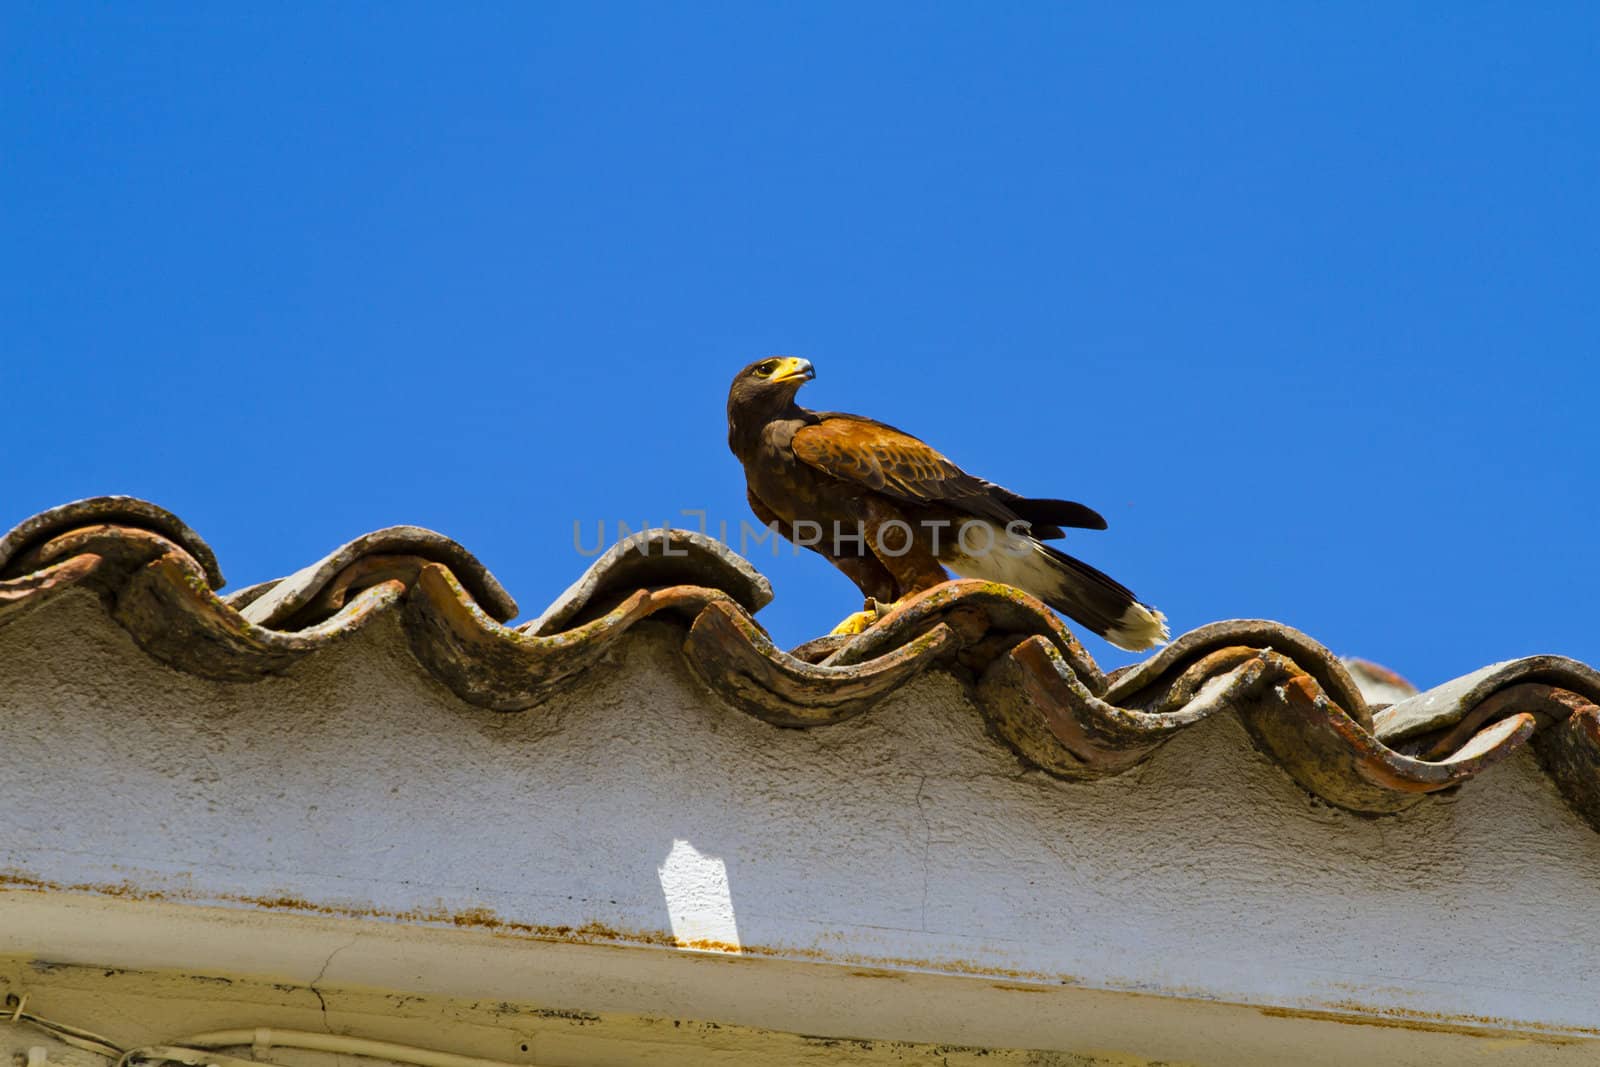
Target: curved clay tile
{"x": 395, "y": 552}
{"x": 653, "y": 558}
{"x": 125, "y": 511}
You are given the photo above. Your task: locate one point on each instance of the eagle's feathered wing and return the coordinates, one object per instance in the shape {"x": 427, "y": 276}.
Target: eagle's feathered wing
{"x": 891, "y": 461}
{"x": 882, "y": 459}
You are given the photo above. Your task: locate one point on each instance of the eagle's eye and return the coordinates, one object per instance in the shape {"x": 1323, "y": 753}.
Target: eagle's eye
{"x": 764, "y": 370}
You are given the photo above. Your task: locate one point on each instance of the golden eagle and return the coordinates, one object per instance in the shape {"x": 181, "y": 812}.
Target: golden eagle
{"x": 892, "y": 513}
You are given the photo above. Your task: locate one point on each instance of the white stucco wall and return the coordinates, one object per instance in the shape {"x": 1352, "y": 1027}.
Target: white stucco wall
{"x": 906, "y": 840}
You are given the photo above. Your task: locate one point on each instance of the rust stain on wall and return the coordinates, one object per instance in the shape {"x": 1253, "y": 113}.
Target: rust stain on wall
{"x": 479, "y": 918}
{"x": 1481, "y": 1026}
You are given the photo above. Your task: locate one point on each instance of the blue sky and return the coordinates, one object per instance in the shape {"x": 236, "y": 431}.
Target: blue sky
{"x": 1302, "y": 297}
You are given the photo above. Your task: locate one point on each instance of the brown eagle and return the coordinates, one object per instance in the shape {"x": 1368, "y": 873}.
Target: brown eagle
{"x": 892, "y": 513}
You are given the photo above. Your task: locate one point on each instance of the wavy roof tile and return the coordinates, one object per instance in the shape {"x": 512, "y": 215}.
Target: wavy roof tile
{"x": 1032, "y": 680}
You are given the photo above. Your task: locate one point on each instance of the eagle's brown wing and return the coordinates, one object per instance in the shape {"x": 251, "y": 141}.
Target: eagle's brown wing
{"x": 890, "y": 461}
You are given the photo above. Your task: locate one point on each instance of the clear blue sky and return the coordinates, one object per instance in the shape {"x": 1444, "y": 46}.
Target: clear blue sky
{"x": 1302, "y": 297}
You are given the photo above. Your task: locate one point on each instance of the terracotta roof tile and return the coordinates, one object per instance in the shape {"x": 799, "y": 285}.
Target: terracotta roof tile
{"x": 396, "y": 552}
{"x": 1039, "y": 690}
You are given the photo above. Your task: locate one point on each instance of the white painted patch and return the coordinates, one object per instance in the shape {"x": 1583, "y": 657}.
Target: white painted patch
{"x": 699, "y": 905}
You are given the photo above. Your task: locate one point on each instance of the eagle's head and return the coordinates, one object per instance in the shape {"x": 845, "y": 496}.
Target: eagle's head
{"x": 764, "y": 389}
{"x": 769, "y": 383}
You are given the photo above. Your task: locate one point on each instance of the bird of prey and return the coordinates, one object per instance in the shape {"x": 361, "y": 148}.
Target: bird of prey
{"x": 892, "y": 513}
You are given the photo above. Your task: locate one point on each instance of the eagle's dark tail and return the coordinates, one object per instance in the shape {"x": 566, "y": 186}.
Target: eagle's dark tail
{"x": 1047, "y": 517}
{"x": 1100, "y": 602}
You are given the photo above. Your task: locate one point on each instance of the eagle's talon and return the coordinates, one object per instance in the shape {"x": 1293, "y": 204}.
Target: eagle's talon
{"x": 854, "y": 623}
{"x": 858, "y": 621}
{"x": 861, "y": 621}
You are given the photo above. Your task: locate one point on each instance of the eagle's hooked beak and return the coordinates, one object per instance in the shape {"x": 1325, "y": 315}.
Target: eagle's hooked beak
{"x": 793, "y": 369}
